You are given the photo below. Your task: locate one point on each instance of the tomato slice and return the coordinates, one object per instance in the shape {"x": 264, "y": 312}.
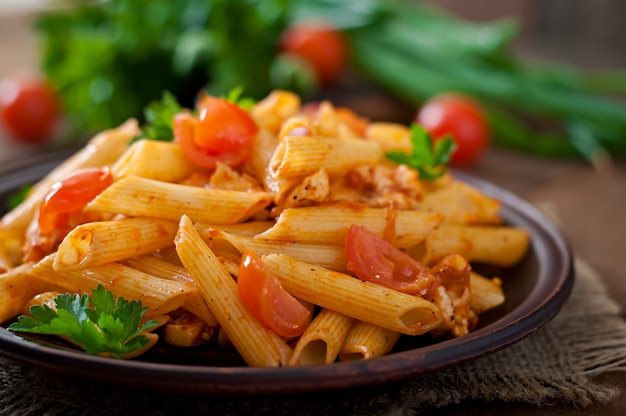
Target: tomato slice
{"x": 272, "y": 305}
{"x": 375, "y": 260}
{"x": 222, "y": 132}
{"x": 72, "y": 195}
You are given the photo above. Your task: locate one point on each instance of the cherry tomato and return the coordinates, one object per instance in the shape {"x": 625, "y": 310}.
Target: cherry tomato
{"x": 222, "y": 132}
{"x": 71, "y": 195}
{"x": 373, "y": 259}
{"x": 462, "y": 118}
{"x": 263, "y": 294}
{"x": 321, "y": 45}
{"x": 29, "y": 108}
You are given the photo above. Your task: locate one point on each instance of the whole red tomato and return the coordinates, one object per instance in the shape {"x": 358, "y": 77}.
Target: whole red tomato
{"x": 460, "y": 117}
{"x": 29, "y": 108}
{"x": 319, "y": 44}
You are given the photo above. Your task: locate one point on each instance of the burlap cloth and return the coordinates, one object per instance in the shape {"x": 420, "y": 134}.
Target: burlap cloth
{"x": 555, "y": 364}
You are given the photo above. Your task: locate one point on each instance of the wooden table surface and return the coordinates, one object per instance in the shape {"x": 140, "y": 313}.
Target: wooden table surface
{"x": 589, "y": 204}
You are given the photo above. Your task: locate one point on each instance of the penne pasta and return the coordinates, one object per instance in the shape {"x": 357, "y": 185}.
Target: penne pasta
{"x": 322, "y": 340}
{"x": 297, "y": 156}
{"x": 366, "y": 341}
{"x": 17, "y": 287}
{"x": 352, "y": 297}
{"x": 462, "y": 204}
{"x": 329, "y": 224}
{"x": 161, "y": 296}
{"x": 161, "y": 161}
{"x": 98, "y": 243}
{"x": 486, "y": 293}
{"x": 258, "y": 345}
{"x": 140, "y": 197}
{"x": 165, "y": 270}
{"x": 102, "y": 150}
{"x": 502, "y": 246}
{"x": 330, "y": 257}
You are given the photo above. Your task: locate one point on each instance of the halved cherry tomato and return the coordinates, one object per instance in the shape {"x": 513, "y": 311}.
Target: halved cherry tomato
{"x": 29, "y": 108}
{"x": 71, "y": 195}
{"x": 460, "y": 117}
{"x": 373, "y": 259}
{"x": 222, "y": 132}
{"x": 321, "y": 45}
{"x": 263, "y": 294}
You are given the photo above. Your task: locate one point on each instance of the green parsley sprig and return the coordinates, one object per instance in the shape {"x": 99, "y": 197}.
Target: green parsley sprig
{"x": 98, "y": 323}
{"x": 428, "y": 159}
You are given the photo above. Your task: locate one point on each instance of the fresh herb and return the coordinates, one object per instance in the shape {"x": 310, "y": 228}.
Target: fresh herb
{"x": 17, "y": 197}
{"x": 428, "y": 159}
{"x": 109, "y": 60}
{"x": 235, "y": 97}
{"x": 159, "y": 116}
{"x": 99, "y": 324}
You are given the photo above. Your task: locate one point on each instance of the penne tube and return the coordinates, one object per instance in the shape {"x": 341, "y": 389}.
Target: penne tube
{"x": 141, "y": 197}
{"x": 329, "y": 224}
{"x": 258, "y": 345}
{"x": 390, "y": 136}
{"x": 502, "y": 246}
{"x": 98, "y": 243}
{"x": 161, "y": 296}
{"x": 161, "y": 161}
{"x": 250, "y": 228}
{"x": 486, "y": 293}
{"x": 298, "y": 156}
{"x": 263, "y": 149}
{"x": 327, "y": 256}
{"x": 165, "y": 270}
{"x": 103, "y": 149}
{"x": 322, "y": 340}
{"x": 366, "y": 341}
{"x": 365, "y": 301}
{"x": 462, "y": 204}
{"x": 272, "y": 111}
{"x": 17, "y": 287}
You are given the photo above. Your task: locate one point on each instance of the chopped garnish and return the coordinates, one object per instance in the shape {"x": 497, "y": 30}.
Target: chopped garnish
{"x": 159, "y": 115}
{"x": 428, "y": 159}
{"x": 18, "y": 196}
{"x": 99, "y": 324}
{"x": 234, "y": 96}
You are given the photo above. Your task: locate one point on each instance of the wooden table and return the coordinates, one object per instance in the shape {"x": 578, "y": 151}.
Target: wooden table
{"x": 589, "y": 204}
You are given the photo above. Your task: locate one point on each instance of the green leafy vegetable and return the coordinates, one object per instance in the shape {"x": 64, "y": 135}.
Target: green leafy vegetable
{"x": 110, "y": 59}
{"x": 99, "y": 324}
{"x": 235, "y": 97}
{"x": 430, "y": 161}
{"x": 18, "y": 196}
{"x": 159, "y": 116}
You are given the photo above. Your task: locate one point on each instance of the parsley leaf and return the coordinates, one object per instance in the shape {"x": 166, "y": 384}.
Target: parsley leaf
{"x": 18, "y": 196}
{"x": 234, "y": 96}
{"x": 99, "y": 324}
{"x": 430, "y": 161}
{"x": 159, "y": 116}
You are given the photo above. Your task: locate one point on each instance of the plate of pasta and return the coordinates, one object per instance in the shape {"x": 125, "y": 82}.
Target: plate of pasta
{"x": 299, "y": 256}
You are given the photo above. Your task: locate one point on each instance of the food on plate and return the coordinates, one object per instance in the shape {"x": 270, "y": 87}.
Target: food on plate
{"x": 306, "y": 239}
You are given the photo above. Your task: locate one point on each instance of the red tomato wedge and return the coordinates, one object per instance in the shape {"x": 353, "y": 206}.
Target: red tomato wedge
{"x": 72, "y": 195}
{"x": 373, "y": 259}
{"x": 222, "y": 132}
{"x": 263, "y": 294}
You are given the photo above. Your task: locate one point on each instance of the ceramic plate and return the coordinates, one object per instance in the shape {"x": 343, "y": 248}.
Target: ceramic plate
{"x": 535, "y": 291}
